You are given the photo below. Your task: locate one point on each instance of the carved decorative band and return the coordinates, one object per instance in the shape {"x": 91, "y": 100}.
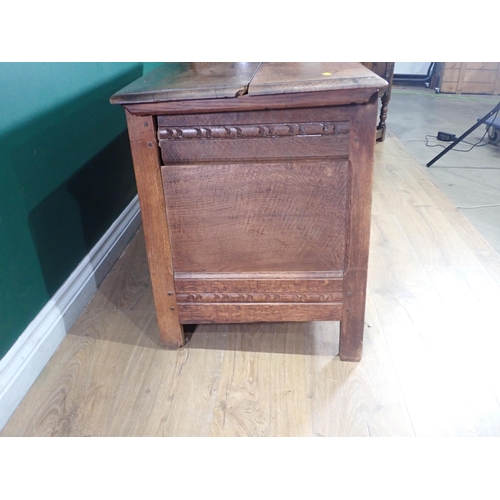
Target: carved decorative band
{"x": 254, "y": 131}
{"x": 259, "y": 297}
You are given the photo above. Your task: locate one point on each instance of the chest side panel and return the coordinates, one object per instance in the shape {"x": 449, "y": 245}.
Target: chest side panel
{"x": 287, "y": 216}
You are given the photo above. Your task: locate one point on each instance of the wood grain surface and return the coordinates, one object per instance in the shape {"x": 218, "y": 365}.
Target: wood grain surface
{"x": 271, "y": 217}
{"x": 255, "y": 148}
{"x": 246, "y": 102}
{"x": 189, "y": 81}
{"x": 311, "y": 282}
{"x": 278, "y": 78}
{"x": 429, "y": 365}
{"x": 145, "y": 154}
{"x": 358, "y": 229}
{"x": 329, "y": 112}
{"x": 251, "y": 149}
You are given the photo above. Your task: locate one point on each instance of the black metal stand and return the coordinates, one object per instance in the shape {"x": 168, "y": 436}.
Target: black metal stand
{"x": 464, "y": 135}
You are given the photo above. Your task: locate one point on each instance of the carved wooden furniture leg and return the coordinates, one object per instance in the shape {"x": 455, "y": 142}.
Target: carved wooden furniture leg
{"x": 383, "y": 117}
{"x": 388, "y": 75}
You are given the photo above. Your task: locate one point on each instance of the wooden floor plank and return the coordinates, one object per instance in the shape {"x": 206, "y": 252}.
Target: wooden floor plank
{"x": 128, "y": 285}
{"x": 433, "y": 237}
{"x": 243, "y": 405}
{"x": 423, "y": 337}
{"x": 193, "y": 389}
{"x": 392, "y": 152}
{"x": 79, "y": 382}
{"x": 358, "y": 399}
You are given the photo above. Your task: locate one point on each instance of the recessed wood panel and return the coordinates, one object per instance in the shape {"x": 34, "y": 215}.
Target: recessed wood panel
{"x": 257, "y": 217}
{"x": 451, "y": 75}
{"x": 336, "y": 146}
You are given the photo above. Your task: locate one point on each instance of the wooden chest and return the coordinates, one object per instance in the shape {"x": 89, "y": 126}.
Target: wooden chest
{"x": 254, "y": 181}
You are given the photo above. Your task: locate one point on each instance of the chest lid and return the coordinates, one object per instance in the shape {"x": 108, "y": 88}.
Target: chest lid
{"x": 188, "y": 81}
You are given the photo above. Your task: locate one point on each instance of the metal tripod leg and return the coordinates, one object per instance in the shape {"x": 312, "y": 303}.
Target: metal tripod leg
{"x": 464, "y": 135}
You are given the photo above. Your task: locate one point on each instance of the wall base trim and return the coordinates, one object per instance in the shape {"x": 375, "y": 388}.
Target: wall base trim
{"x": 22, "y": 364}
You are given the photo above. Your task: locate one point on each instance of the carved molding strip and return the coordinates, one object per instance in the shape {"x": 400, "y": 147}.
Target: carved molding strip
{"x": 254, "y": 131}
{"x": 259, "y": 297}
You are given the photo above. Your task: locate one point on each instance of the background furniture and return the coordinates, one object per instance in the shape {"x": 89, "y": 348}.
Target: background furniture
{"x": 386, "y": 71}
{"x": 469, "y": 78}
{"x": 255, "y": 187}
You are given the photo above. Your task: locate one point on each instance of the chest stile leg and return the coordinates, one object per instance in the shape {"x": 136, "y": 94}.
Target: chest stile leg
{"x": 146, "y": 158}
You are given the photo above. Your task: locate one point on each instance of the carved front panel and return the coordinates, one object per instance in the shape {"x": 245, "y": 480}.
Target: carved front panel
{"x": 259, "y": 297}
{"x": 251, "y": 131}
{"x": 263, "y": 296}
{"x": 226, "y": 142}
{"x": 302, "y": 283}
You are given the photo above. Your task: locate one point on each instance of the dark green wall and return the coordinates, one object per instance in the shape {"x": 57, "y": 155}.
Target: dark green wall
{"x": 65, "y": 175}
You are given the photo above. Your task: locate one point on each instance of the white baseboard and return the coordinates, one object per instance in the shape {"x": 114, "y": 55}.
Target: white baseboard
{"x": 22, "y": 364}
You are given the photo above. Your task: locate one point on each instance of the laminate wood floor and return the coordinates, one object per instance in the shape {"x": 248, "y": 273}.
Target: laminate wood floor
{"x": 429, "y": 364}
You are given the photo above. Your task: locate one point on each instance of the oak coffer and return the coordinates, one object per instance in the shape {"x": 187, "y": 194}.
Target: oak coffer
{"x": 255, "y": 182}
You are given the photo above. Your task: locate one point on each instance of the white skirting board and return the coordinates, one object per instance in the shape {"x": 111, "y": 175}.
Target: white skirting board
{"x": 22, "y": 364}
